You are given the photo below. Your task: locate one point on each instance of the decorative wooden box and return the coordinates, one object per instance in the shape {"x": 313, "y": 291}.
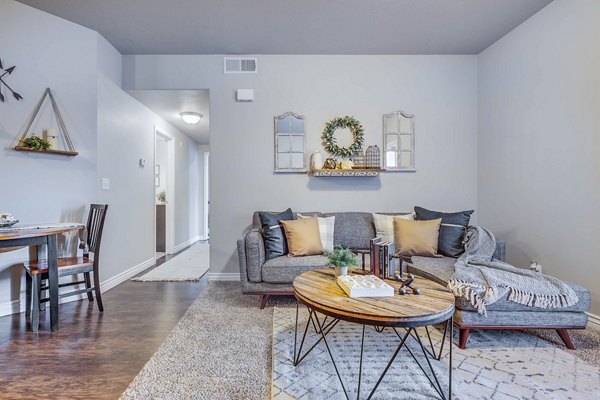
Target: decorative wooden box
{"x": 365, "y": 286}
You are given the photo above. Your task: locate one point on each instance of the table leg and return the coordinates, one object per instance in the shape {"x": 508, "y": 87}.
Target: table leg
{"x": 53, "y": 281}
{"x": 39, "y": 251}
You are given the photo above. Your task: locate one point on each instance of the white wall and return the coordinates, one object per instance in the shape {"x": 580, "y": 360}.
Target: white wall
{"x": 109, "y": 129}
{"x": 440, "y": 90}
{"x": 539, "y": 126}
{"x": 125, "y": 135}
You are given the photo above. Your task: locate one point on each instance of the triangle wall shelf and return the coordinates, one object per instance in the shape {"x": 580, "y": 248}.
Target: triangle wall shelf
{"x": 63, "y": 137}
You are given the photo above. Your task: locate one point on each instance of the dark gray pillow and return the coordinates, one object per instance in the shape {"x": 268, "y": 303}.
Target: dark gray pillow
{"x": 275, "y": 243}
{"x": 452, "y": 231}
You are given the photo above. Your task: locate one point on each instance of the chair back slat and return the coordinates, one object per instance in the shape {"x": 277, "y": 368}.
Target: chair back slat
{"x": 95, "y": 226}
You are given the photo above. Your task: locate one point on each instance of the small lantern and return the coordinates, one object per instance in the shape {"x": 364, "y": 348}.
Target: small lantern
{"x": 358, "y": 158}
{"x": 373, "y": 157}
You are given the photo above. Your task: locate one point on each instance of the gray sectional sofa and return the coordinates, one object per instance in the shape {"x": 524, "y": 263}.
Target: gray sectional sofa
{"x": 354, "y": 230}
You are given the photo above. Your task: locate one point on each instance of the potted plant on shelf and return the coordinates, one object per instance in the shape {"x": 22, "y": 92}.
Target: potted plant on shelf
{"x": 341, "y": 259}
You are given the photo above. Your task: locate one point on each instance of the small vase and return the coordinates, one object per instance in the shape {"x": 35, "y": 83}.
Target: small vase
{"x": 341, "y": 271}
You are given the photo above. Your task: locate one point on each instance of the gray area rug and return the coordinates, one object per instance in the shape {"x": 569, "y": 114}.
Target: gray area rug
{"x": 496, "y": 365}
{"x": 221, "y": 349}
{"x": 189, "y": 265}
{"x": 315, "y": 376}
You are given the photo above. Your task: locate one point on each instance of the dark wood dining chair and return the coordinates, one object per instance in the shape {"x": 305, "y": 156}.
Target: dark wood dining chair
{"x": 37, "y": 271}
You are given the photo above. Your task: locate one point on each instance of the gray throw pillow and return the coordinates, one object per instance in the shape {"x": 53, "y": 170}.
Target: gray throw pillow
{"x": 452, "y": 231}
{"x": 274, "y": 237}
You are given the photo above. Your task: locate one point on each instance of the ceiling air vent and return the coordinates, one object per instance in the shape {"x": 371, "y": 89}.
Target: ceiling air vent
{"x": 240, "y": 65}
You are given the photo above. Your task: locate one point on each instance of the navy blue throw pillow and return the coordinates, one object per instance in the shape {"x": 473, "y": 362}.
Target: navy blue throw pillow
{"x": 275, "y": 242}
{"x": 452, "y": 231}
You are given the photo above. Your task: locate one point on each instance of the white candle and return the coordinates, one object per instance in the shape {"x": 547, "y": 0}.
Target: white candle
{"x": 50, "y": 136}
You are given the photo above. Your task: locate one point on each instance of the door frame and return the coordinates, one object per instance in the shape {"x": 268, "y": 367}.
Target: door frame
{"x": 170, "y": 209}
{"x": 206, "y": 195}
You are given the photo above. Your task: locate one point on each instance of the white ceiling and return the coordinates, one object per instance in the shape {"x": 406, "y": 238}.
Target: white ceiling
{"x": 169, "y": 103}
{"x": 296, "y": 26}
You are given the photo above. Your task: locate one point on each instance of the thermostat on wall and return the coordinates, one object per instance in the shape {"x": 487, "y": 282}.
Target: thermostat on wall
{"x": 244, "y": 95}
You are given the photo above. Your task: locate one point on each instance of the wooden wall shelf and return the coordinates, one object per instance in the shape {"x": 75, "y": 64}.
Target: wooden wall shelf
{"x": 328, "y": 173}
{"x": 58, "y": 152}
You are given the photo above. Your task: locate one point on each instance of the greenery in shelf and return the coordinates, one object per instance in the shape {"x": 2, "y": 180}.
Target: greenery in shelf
{"x": 341, "y": 257}
{"x": 36, "y": 143}
{"x": 162, "y": 196}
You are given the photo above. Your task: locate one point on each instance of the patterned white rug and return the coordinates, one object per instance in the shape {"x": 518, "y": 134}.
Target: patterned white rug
{"x": 495, "y": 365}
{"x": 190, "y": 265}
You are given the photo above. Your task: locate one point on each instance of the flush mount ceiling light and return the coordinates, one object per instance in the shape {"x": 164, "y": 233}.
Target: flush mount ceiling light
{"x": 191, "y": 118}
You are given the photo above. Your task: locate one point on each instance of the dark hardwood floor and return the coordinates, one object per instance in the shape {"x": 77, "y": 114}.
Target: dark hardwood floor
{"x": 94, "y": 355}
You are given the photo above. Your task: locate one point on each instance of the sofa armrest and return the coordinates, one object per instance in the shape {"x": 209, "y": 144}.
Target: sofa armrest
{"x": 500, "y": 253}
{"x": 251, "y": 252}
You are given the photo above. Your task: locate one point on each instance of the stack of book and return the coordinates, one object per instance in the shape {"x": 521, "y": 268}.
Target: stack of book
{"x": 383, "y": 262}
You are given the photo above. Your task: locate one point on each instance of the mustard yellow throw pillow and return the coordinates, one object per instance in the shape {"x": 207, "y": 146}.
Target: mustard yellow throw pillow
{"x": 303, "y": 237}
{"x": 416, "y": 238}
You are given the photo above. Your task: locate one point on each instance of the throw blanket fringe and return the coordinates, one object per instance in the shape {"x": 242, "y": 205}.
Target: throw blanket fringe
{"x": 477, "y": 277}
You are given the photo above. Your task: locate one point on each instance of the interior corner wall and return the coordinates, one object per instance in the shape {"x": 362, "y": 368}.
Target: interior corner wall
{"x": 47, "y": 52}
{"x": 539, "y": 125}
{"x": 126, "y": 135}
{"x": 440, "y": 90}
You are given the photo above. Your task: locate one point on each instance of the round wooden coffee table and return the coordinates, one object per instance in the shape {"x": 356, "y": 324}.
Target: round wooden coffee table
{"x": 319, "y": 292}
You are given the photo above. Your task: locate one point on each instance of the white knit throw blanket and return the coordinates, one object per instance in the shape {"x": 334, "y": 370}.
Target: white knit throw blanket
{"x": 478, "y": 277}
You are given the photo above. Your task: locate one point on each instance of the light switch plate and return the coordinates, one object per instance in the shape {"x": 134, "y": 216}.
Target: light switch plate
{"x": 105, "y": 184}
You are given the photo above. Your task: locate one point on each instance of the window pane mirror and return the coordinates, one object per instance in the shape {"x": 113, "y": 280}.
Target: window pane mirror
{"x": 399, "y": 141}
{"x": 289, "y": 143}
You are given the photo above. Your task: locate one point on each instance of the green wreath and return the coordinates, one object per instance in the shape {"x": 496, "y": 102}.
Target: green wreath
{"x": 330, "y": 142}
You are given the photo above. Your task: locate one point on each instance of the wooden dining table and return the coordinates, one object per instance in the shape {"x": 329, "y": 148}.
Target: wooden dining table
{"x": 44, "y": 237}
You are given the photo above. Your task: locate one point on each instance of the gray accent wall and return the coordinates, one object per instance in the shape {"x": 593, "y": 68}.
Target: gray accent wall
{"x": 539, "y": 137}
{"x": 440, "y": 90}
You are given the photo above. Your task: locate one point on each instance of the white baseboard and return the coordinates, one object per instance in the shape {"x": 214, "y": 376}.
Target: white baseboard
{"x": 125, "y": 275}
{"x": 593, "y": 321}
{"x": 10, "y": 307}
{"x": 185, "y": 244}
{"x": 18, "y": 306}
{"x": 224, "y": 276}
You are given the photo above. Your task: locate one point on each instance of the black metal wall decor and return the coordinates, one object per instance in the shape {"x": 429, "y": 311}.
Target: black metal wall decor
{"x": 4, "y": 73}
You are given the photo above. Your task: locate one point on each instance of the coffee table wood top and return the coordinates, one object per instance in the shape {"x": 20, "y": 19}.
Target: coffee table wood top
{"x": 319, "y": 290}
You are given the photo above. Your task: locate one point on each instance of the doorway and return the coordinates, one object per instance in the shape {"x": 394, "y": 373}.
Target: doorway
{"x": 164, "y": 178}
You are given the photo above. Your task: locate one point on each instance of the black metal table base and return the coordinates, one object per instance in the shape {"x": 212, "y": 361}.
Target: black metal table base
{"x": 324, "y": 327}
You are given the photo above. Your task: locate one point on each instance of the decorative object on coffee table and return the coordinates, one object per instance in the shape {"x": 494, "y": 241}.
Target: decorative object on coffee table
{"x": 364, "y": 286}
{"x": 39, "y": 145}
{"x": 330, "y": 141}
{"x": 406, "y": 284}
{"x": 341, "y": 259}
{"x": 373, "y": 157}
{"x": 3, "y": 74}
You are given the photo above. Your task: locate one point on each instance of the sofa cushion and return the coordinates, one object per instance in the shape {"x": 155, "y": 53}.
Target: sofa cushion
{"x": 284, "y": 269}
{"x": 274, "y": 237}
{"x": 440, "y": 270}
{"x": 416, "y": 238}
{"x": 353, "y": 230}
{"x": 452, "y": 231}
{"x": 326, "y": 229}
{"x": 384, "y": 225}
{"x": 303, "y": 237}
